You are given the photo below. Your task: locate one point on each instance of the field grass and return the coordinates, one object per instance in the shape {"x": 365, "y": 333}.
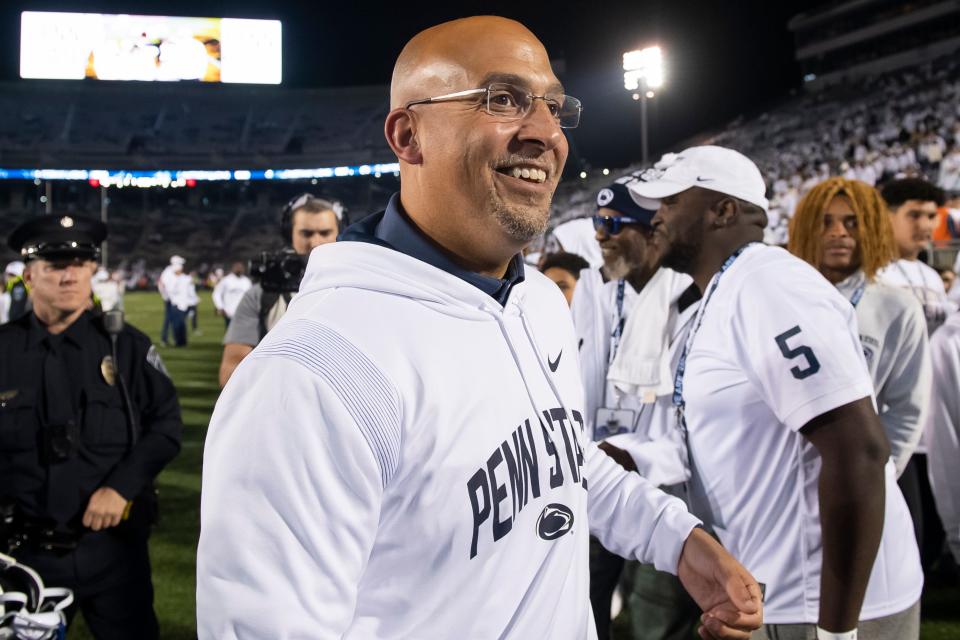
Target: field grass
{"x": 173, "y": 544}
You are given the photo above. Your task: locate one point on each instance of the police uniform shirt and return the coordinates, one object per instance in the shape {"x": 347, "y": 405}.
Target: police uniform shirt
{"x": 777, "y": 346}
{"x": 61, "y": 489}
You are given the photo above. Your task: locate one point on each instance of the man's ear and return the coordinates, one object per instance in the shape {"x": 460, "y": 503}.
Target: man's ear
{"x": 400, "y": 130}
{"x": 726, "y": 211}
{"x": 26, "y": 275}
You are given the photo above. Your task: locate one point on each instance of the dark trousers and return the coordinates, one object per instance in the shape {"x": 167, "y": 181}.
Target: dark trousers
{"x": 165, "y": 329}
{"x": 109, "y": 574}
{"x": 660, "y": 608}
{"x": 192, "y": 314}
{"x": 178, "y": 322}
{"x": 605, "y": 569}
{"x": 927, "y": 525}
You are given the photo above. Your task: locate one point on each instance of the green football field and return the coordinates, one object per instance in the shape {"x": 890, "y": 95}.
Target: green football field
{"x": 174, "y": 542}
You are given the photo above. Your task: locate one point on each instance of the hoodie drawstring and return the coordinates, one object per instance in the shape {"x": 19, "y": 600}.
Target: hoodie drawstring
{"x": 516, "y": 358}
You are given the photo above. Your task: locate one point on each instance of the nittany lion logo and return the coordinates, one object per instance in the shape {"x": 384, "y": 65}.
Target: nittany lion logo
{"x": 554, "y": 521}
{"x": 604, "y": 198}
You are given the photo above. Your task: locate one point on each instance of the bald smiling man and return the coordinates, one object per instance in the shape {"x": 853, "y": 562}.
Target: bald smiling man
{"x": 404, "y": 455}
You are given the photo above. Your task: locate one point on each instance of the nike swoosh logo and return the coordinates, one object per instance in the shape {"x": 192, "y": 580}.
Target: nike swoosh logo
{"x": 699, "y": 179}
{"x": 554, "y": 363}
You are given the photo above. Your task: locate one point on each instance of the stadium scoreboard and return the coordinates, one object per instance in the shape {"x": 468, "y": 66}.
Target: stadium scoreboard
{"x": 77, "y": 46}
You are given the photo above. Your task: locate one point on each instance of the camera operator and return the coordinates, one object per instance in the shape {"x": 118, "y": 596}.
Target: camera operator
{"x": 305, "y": 223}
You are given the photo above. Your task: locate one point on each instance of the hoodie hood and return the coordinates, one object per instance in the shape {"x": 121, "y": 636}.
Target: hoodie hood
{"x": 374, "y": 266}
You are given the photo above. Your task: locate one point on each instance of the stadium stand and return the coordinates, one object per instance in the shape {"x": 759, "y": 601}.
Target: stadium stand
{"x": 903, "y": 122}
{"x": 865, "y": 115}
{"x": 144, "y": 125}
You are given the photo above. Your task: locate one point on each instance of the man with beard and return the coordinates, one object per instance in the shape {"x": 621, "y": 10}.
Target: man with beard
{"x": 789, "y": 462}
{"x": 842, "y": 228}
{"x": 624, "y": 420}
{"x": 419, "y": 465}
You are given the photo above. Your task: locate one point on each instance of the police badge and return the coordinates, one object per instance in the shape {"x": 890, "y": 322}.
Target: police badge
{"x": 108, "y": 369}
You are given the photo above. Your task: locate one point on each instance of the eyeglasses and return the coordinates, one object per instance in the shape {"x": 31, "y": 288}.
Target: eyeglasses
{"x": 504, "y": 100}
{"x": 613, "y": 225}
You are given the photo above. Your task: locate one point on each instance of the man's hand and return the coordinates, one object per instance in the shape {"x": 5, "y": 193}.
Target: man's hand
{"x": 728, "y": 595}
{"x": 104, "y": 510}
{"x": 620, "y": 456}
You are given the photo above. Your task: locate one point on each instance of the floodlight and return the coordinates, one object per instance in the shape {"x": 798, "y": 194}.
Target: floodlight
{"x": 643, "y": 66}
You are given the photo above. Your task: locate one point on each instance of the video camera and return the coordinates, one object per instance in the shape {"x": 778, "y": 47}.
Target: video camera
{"x": 280, "y": 271}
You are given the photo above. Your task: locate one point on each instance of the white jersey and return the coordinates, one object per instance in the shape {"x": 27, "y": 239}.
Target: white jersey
{"x": 407, "y": 478}
{"x": 943, "y": 430}
{"x": 229, "y": 291}
{"x": 893, "y": 333}
{"x": 925, "y": 284}
{"x": 777, "y": 347}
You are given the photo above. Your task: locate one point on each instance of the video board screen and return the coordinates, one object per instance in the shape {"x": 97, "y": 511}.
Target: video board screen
{"x": 77, "y": 46}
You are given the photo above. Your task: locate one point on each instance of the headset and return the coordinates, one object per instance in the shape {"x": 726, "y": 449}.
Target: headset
{"x": 298, "y": 202}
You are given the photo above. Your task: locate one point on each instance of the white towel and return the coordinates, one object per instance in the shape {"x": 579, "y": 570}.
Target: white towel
{"x": 642, "y": 364}
{"x": 579, "y": 237}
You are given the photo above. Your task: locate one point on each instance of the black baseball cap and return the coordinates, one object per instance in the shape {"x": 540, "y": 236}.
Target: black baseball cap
{"x": 620, "y": 199}
{"x": 58, "y": 237}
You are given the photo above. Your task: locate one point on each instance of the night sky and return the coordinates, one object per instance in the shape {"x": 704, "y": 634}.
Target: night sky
{"x": 723, "y": 58}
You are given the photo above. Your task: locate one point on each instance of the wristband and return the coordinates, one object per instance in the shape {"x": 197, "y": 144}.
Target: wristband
{"x": 823, "y": 634}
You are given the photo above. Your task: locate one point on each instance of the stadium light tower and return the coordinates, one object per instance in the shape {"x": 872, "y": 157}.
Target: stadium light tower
{"x": 642, "y": 74}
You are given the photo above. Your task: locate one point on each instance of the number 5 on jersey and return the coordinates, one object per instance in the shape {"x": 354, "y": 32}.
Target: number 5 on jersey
{"x": 813, "y": 365}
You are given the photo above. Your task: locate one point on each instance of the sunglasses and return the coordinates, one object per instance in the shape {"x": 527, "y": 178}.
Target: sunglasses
{"x": 612, "y": 225}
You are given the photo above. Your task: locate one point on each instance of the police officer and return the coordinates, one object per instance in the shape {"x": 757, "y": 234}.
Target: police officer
{"x": 88, "y": 418}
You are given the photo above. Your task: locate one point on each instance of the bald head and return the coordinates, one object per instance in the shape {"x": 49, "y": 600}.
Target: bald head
{"x": 441, "y": 59}
{"x": 477, "y": 180}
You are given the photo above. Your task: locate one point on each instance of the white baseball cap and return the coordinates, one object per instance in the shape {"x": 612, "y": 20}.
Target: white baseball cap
{"x": 177, "y": 261}
{"x": 14, "y": 268}
{"x": 709, "y": 167}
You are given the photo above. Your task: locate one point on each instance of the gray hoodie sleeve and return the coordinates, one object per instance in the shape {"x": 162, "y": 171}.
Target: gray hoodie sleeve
{"x": 904, "y": 397}
{"x": 943, "y": 430}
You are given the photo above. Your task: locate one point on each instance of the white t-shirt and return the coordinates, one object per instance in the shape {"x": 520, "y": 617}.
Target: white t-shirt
{"x": 926, "y": 286}
{"x": 166, "y": 281}
{"x": 595, "y": 316}
{"x": 893, "y": 332}
{"x": 181, "y": 292}
{"x": 778, "y": 346}
{"x": 229, "y": 291}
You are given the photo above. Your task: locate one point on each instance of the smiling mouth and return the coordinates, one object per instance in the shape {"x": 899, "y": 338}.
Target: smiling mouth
{"x": 533, "y": 175}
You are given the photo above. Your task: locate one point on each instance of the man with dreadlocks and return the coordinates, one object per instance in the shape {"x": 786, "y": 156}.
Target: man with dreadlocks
{"x": 842, "y": 228}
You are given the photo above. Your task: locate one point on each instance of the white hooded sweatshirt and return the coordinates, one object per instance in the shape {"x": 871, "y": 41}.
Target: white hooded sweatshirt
{"x": 403, "y": 457}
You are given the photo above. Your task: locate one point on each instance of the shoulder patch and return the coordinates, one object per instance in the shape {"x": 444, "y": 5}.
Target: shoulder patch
{"x": 155, "y": 361}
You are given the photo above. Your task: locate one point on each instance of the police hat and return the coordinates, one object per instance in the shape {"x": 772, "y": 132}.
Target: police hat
{"x": 58, "y": 237}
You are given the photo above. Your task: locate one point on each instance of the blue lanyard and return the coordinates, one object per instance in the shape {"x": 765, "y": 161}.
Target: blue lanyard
{"x": 858, "y": 293}
{"x": 618, "y": 327}
{"x": 682, "y": 364}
